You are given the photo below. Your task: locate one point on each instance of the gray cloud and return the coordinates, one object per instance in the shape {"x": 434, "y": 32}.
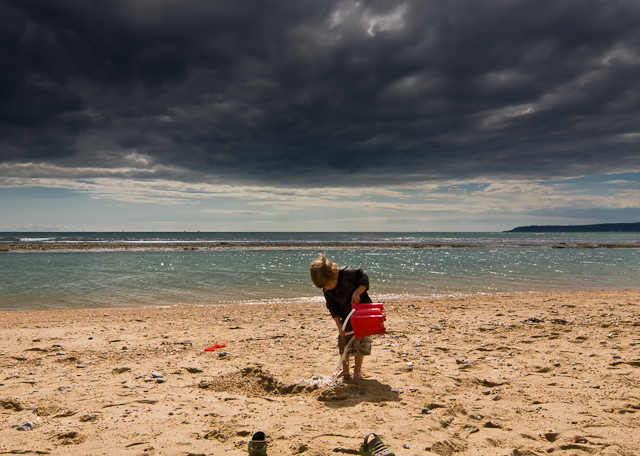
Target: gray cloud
{"x": 321, "y": 92}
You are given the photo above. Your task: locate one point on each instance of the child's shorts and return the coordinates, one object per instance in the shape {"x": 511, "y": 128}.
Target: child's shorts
{"x": 360, "y": 346}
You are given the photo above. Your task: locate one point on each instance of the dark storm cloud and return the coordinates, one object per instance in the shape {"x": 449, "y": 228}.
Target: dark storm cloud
{"x": 320, "y": 91}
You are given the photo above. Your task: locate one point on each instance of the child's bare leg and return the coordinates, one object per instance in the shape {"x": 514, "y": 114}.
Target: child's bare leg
{"x": 357, "y": 368}
{"x": 345, "y": 368}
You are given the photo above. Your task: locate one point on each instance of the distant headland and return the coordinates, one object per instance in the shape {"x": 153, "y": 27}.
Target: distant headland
{"x": 598, "y": 228}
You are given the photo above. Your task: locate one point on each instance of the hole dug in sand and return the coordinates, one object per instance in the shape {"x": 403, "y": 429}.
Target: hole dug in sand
{"x": 70, "y": 438}
{"x": 253, "y": 381}
{"x": 11, "y": 404}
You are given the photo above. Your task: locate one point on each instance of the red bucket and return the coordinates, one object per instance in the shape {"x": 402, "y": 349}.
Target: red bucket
{"x": 362, "y": 313}
{"x": 366, "y": 306}
{"x": 367, "y": 325}
{"x": 368, "y": 319}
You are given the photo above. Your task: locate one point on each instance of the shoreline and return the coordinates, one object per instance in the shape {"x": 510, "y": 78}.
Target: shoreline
{"x": 312, "y": 300}
{"x": 521, "y": 374}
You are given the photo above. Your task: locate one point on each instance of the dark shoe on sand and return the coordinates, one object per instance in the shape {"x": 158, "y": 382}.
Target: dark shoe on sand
{"x": 258, "y": 444}
{"x": 374, "y": 447}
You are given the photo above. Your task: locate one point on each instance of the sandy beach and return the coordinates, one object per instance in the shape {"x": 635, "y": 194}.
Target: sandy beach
{"x": 523, "y": 374}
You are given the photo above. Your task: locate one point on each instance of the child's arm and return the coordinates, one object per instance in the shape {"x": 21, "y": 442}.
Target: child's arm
{"x": 356, "y": 294}
{"x": 338, "y": 321}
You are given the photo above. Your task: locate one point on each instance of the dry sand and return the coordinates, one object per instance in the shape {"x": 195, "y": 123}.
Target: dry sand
{"x": 484, "y": 375}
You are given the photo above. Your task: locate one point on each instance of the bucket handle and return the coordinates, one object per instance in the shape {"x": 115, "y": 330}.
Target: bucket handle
{"x": 346, "y": 322}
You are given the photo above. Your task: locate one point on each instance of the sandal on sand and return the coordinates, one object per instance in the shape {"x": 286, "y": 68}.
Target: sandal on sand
{"x": 374, "y": 447}
{"x": 258, "y": 444}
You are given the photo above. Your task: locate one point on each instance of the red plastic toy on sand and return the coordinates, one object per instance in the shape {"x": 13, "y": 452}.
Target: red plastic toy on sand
{"x": 218, "y": 345}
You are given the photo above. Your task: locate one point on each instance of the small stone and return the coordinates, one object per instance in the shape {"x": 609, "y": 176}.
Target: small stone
{"x": 88, "y": 417}
{"x": 405, "y": 446}
{"x": 160, "y": 380}
{"x": 425, "y": 411}
{"x": 222, "y": 354}
{"x": 617, "y": 357}
{"x": 156, "y": 374}
{"x": 26, "y": 426}
{"x": 125, "y": 348}
{"x": 556, "y": 364}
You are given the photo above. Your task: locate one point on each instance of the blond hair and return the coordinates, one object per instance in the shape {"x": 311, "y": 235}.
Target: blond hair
{"x": 323, "y": 271}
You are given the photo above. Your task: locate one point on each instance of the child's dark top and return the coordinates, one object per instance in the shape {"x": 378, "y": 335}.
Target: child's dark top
{"x": 339, "y": 299}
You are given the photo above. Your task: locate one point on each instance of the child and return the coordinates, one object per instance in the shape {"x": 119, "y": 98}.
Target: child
{"x": 341, "y": 287}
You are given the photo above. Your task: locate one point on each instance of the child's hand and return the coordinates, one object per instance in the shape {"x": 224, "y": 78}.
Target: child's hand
{"x": 355, "y": 297}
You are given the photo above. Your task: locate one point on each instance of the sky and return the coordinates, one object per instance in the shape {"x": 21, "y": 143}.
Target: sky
{"x": 281, "y": 115}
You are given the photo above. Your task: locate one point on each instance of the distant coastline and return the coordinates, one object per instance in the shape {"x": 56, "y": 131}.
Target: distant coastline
{"x": 598, "y": 228}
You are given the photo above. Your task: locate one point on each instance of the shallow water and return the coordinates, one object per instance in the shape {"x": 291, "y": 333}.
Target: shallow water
{"x": 127, "y": 278}
{"x": 490, "y": 239}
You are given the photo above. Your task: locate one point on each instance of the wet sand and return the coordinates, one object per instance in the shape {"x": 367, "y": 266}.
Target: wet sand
{"x": 524, "y": 374}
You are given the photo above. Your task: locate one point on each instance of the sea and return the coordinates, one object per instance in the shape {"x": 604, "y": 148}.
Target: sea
{"x": 130, "y": 269}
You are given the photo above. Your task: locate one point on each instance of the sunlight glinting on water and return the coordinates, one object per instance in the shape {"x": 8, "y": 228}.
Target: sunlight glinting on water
{"x": 59, "y": 279}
